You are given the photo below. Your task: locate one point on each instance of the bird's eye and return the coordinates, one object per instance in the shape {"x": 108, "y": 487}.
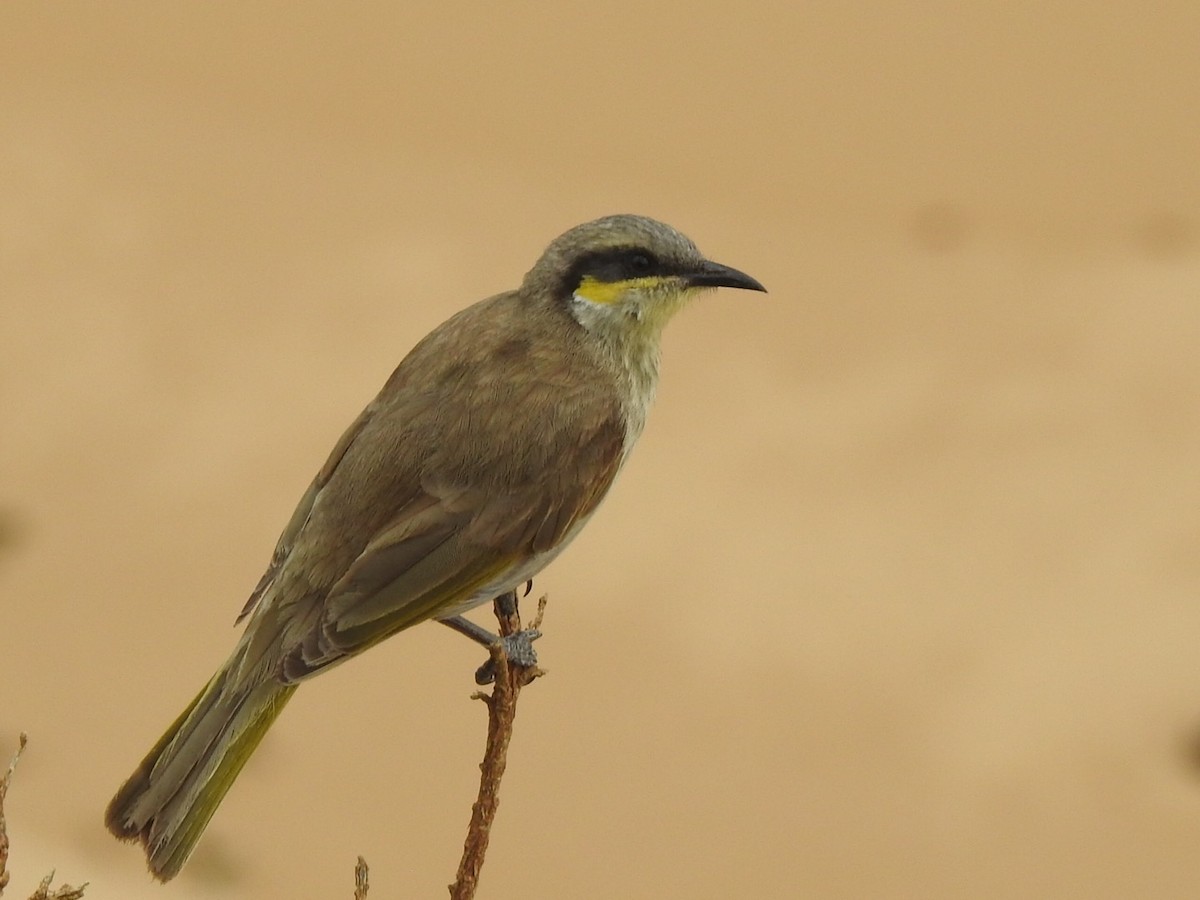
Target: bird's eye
{"x": 640, "y": 263}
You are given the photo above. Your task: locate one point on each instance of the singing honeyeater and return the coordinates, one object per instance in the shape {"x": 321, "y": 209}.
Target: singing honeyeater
{"x": 487, "y": 450}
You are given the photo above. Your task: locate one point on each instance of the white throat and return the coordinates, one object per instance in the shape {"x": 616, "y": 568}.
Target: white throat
{"x": 631, "y": 341}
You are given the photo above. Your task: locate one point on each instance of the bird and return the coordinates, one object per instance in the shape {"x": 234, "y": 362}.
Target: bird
{"x": 481, "y": 458}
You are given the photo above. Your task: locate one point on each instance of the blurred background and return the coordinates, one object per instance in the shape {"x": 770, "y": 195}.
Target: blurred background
{"x": 897, "y": 597}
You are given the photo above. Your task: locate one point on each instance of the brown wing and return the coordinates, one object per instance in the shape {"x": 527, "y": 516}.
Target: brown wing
{"x": 446, "y": 545}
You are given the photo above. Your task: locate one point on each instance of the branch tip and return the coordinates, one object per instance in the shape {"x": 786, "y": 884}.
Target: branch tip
{"x": 361, "y": 873}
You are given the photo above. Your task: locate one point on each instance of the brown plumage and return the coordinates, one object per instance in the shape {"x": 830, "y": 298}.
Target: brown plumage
{"x": 489, "y": 447}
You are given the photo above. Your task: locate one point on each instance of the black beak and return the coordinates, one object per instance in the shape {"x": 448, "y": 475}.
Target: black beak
{"x": 711, "y": 274}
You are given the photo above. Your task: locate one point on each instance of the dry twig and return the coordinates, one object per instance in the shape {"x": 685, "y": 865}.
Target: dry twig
{"x": 4, "y": 783}
{"x": 43, "y": 892}
{"x": 66, "y": 892}
{"x": 502, "y": 709}
{"x": 360, "y": 880}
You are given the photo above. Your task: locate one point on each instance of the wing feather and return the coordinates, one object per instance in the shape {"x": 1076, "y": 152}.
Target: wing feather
{"x": 439, "y": 551}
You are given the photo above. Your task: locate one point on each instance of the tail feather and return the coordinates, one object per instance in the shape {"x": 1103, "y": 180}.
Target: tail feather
{"x": 168, "y": 801}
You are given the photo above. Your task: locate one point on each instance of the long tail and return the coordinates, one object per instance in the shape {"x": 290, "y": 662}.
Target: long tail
{"x": 167, "y": 802}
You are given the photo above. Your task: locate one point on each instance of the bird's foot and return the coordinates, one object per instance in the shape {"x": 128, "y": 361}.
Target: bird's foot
{"x": 519, "y": 650}
{"x": 518, "y": 647}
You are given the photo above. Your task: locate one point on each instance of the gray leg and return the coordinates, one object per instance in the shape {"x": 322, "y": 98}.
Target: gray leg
{"x": 477, "y": 633}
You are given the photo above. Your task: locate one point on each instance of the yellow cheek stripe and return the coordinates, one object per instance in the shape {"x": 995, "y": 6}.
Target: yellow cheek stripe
{"x": 612, "y": 291}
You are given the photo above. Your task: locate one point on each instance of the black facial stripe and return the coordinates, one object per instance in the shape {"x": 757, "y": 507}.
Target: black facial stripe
{"x": 616, "y": 264}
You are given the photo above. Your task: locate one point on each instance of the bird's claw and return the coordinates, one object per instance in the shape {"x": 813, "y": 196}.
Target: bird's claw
{"x": 518, "y": 648}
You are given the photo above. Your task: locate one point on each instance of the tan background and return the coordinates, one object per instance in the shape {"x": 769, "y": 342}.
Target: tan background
{"x": 898, "y": 596}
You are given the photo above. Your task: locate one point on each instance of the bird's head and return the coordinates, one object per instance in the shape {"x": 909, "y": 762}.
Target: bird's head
{"x": 625, "y": 276}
